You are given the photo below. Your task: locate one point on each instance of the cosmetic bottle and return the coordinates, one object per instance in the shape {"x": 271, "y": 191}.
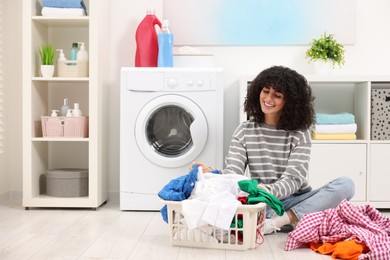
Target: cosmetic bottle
{"x": 61, "y": 55}
{"x": 54, "y": 113}
{"x": 76, "y": 110}
{"x": 65, "y": 107}
{"x": 73, "y": 53}
{"x": 69, "y": 113}
{"x": 82, "y": 54}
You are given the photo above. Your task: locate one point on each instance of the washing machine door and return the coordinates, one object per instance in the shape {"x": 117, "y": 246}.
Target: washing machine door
{"x": 171, "y": 131}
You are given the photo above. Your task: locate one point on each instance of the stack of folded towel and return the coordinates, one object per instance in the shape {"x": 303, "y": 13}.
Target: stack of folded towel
{"x": 63, "y": 8}
{"x": 334, "y": 127}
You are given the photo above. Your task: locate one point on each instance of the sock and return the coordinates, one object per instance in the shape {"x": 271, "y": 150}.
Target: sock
{"x": 280, "y": 221}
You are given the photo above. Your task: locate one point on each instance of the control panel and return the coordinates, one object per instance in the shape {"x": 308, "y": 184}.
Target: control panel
{"x": 193, "y": 81}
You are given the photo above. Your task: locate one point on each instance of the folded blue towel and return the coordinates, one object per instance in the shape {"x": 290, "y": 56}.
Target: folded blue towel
{"x": 329, "y": 119}
{"x": 63, "y": 3}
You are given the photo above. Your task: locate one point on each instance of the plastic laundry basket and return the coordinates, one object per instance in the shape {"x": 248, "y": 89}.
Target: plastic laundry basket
{"x": 248, "y": 236}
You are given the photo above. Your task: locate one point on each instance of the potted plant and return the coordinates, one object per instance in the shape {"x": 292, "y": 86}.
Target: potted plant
{"x": 326, "y": 49}
{"x": 46, "y": 52}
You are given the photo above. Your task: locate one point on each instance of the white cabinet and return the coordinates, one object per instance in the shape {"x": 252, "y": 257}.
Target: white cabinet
{"x": 380, "y": 172}
{"x": 41, "y": 95}
{"x": 363, "y": 160}
{"x": 330, "y": 161}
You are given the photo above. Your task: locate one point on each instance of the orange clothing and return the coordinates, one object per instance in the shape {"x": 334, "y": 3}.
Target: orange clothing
{"x": 347, "y": 249}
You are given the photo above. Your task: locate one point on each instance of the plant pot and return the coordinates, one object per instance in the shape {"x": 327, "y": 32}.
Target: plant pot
{"x": 323, "y": 67}
{"x": 47, "y": 71}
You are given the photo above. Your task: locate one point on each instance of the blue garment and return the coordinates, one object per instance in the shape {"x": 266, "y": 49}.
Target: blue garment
{"x": 63, "y": 3}
{"x": 342, "y": 118}
{"x": 178, "y": 189}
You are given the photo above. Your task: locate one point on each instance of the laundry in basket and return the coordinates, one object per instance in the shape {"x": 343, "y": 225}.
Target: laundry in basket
{"x": 193, "y": 223}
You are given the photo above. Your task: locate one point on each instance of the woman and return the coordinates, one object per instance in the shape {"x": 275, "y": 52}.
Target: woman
{"x": 275, "y": 144}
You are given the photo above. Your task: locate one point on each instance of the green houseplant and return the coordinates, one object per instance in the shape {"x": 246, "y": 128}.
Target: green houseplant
{"x": 47, "y": 53}
{"x": 326, "y": 48}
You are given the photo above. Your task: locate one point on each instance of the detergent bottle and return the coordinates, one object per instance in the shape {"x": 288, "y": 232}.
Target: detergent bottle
{"x": 165, "y": 46}
{"x": 146, "y": 38}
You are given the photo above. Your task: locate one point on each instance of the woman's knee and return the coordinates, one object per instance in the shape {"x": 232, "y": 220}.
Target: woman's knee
{"x": 345, "y": 186}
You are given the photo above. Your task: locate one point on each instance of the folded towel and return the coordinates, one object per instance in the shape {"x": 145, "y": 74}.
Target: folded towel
{"x": 333, "y": 136}
{"x": 62, "y": 12}
{"x": 335, "y": 129}
{"x": 63, "y": 3}
{"x": 342, "y": 118}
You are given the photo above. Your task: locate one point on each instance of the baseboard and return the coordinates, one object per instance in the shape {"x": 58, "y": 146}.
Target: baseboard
{"x": 11, "y": 196}
{"x": 113, "y": 196}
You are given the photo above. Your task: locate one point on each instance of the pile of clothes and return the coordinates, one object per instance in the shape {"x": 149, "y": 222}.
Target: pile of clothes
{"x": 345, "y": 232}
{"x": 63, "y": 8}
{"x": 340, "y": 126}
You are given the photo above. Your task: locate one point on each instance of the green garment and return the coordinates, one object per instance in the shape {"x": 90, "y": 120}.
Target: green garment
{"x": 257, "y": 195}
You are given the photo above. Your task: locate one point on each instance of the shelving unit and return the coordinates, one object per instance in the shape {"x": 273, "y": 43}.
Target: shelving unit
{"x": 363, "y": 160}
{"x": 41, "y": 95}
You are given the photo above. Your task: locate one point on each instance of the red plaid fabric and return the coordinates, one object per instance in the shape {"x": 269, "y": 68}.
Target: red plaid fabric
{"x": 346, "y": 221}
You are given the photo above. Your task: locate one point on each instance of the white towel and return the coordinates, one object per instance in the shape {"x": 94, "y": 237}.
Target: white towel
{"x": 213, "y": 200}
{"x": 62, "y": 12}
{"x": 335, "y": 129}
{"x": 221, "y": 210}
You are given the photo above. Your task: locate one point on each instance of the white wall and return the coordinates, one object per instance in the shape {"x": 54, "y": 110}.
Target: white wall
{"x": 11, "y": 160}
{"x": 369, "y": 55}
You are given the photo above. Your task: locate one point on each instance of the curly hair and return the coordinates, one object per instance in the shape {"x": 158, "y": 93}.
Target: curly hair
{"x": 298, "y": 111}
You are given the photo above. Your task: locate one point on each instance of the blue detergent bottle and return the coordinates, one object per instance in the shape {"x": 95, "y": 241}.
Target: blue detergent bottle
{"x": 165, "y": 46}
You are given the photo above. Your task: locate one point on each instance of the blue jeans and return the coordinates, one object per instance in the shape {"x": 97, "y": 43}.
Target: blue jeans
{"x": 326, "y": 197}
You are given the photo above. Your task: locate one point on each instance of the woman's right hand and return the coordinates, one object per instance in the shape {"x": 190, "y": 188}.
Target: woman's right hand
{"x": 205, "y": 167}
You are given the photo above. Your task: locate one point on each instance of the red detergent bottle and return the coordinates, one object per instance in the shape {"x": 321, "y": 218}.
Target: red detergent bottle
{"x": 146, "y": 54}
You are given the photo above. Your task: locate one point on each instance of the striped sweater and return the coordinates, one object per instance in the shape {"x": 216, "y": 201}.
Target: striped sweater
{"x": 278, "y": 159}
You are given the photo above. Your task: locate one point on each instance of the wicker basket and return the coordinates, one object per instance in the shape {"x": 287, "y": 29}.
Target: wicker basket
{"x": 72, "y": 68}
{"x": 248, "y": 236}
{"x": 64, "y": 126}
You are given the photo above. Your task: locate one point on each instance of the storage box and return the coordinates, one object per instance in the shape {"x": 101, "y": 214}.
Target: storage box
{"x": 241, "y": 237}
{"x": 67, "y": 182}
{"x": 193, "y": 60}
{"x": 64, "y": 126}
{"x": 72, "y": 68}
{"x": 380, "y": 114}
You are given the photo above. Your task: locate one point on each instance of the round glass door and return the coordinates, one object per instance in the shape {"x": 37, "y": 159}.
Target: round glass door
{"x": 168, "y": 131}
{"x": 171, "y": 131}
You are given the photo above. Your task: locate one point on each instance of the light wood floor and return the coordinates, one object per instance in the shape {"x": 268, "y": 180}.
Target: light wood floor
{"x": 109, "y": 233}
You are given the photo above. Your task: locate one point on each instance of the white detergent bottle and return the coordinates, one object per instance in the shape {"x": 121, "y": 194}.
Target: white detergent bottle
{"x": 82, "y": 54}
{"x": 76, "y": 110}
{"x": 61, "y": 55}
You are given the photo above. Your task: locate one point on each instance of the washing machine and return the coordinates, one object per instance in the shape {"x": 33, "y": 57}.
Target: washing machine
{"x": 169, "y": 117}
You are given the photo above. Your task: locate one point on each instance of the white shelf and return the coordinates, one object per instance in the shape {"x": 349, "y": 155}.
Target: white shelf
{"x": 62, "y": 21}
{"x": 41, "y": 95}
{"x": 62, "y": 79}
{"x": 62, "y": 139}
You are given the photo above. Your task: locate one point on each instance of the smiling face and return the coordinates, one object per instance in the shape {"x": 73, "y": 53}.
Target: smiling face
{"x": 272, "y": 104}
